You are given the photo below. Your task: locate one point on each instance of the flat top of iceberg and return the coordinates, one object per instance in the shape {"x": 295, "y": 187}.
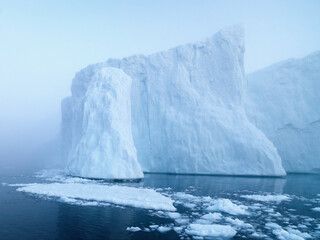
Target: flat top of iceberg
{"x": 233, "y": 34}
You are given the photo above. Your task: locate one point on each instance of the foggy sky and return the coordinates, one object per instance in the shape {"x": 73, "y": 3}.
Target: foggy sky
{"x": 43, "y": 43}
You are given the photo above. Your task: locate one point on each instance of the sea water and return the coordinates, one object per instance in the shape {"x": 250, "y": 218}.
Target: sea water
{"x": 273, "y": 206}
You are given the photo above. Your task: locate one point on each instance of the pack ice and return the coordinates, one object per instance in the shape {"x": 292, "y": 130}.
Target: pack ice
{"x": 184, "y": 113}
{"x": 283, "y": 101}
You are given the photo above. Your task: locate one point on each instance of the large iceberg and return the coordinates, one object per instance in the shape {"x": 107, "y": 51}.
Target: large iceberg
{"x": 283, "y": 101}
{"x": 187, "y": 115}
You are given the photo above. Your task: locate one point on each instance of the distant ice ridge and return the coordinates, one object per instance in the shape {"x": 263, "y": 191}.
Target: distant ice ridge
{"x": 187, "y": 115}
{"x": 283, "y": 101}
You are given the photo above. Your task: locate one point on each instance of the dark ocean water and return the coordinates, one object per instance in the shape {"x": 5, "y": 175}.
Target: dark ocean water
{"x": 25, "y": 216}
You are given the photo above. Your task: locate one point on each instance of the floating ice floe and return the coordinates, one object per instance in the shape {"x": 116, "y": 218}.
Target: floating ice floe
{"x": 164, "y": 229}
{"x": 174, "y": 215}
{"x": 238, "y": 223}
{"x": 212, "y": 216}
{"x": 284, "y": 235}
{"x": 267, "y": 198}
{"x": 133, "y": 229}
{"x": 212, "y": 230}
{"x": 154, "y": 226}
{"x": 298, "y": 233}
{"x": 197, "y": 221}
{"x": 258, "y": 235}
{"x": 317, "y": 209}
{"x": 185, "y": 196}
{"x": 121, "y": 195}
{"x": 190, "y": 201}
{"x": 178, "y": 229}
{"x": 225, "y": 205}
{"x": 290, "y": 234}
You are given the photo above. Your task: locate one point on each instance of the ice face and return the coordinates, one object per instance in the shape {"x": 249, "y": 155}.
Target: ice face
{"x": 187, "y": 111}
{"x": 283, "y": 101}
{"x": 105, "y": 148}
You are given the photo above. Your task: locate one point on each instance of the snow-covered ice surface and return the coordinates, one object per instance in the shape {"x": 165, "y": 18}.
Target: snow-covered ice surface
{"x": 283, "y": 101}
{"x": 229, "y": 212}
{"x": 186, "y": 115}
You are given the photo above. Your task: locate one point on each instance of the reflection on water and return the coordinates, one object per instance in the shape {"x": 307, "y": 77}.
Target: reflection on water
{"x": 25, "y": 216}
{"x": 214, "y": 185}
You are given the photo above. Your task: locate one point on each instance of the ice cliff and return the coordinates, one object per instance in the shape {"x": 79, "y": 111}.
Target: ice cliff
{"x": 187, "y": 115}
{"x": 284, "y": 102}
{"x": 104, "y": 148}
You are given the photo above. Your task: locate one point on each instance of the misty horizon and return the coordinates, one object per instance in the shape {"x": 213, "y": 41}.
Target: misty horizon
{"x": 44, "y": 44}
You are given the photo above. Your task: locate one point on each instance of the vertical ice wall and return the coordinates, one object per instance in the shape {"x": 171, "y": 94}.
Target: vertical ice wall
{"x": 284, "y": 102}
{"x": 104, "y": 145}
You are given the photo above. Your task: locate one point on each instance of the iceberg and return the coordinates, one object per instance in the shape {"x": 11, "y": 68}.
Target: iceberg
{"x": 283, "y": 101}
{"x": 184, "y": 111}
{"x": 105, "y": 147}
